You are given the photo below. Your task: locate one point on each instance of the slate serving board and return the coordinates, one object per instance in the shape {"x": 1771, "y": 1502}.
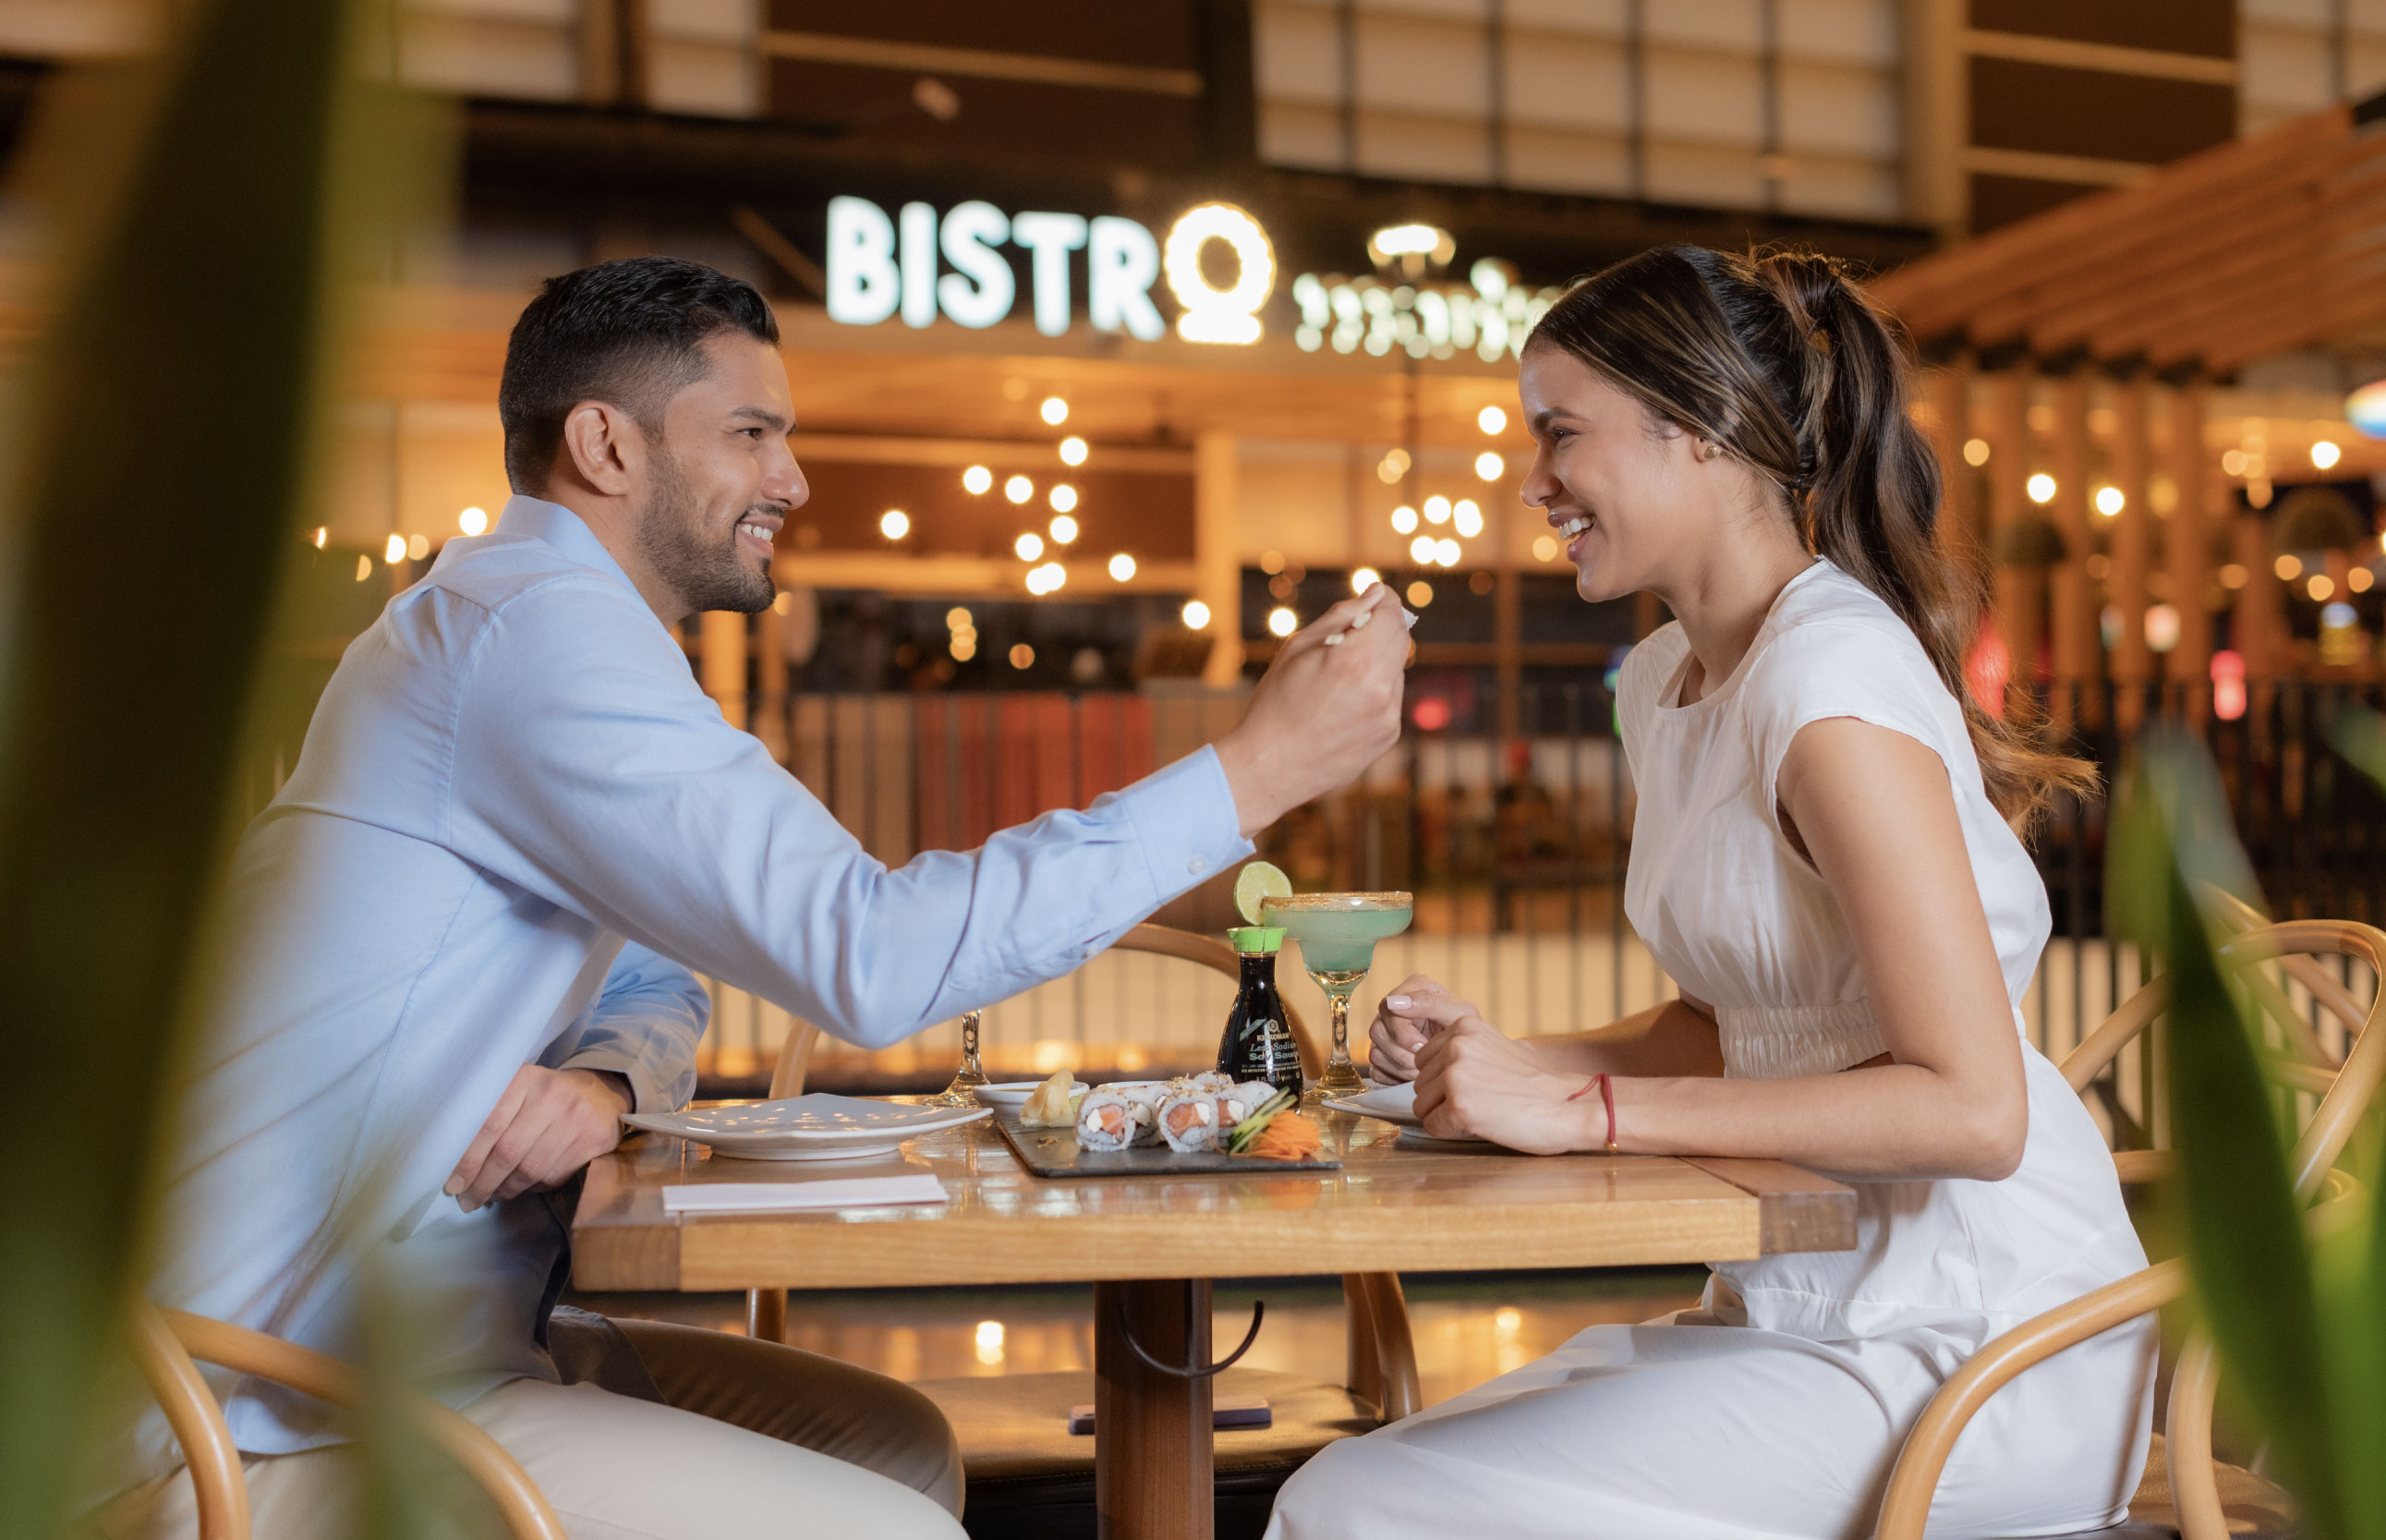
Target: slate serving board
{"x": 1054, "y": 1152}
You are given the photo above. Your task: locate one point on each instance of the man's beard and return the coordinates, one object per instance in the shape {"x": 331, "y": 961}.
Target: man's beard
{"x": 671, "y": 537}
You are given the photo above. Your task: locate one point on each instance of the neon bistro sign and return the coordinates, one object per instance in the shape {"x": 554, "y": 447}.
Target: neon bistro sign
{"x": 879, "y": 267}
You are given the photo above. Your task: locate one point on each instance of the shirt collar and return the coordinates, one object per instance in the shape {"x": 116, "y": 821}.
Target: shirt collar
{"x": 537, "y": 519}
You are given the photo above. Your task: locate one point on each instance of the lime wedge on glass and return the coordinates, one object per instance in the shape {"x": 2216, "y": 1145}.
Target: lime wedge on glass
{"x": 1258, "y": 880}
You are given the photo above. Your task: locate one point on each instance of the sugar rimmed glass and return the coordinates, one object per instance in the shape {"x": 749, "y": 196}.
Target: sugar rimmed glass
{"x": 1338, "y": 933}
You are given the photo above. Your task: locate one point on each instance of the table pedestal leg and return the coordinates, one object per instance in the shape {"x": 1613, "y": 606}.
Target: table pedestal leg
{"x": 1152, "y": 1437}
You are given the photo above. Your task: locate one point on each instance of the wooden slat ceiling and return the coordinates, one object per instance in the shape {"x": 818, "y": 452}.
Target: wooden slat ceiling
{"x": 2251, "y": 248}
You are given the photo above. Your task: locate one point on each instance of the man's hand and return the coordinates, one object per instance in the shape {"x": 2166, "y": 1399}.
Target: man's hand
{"x": 1329, "y": 707}
{"x": 548, "y": 1125}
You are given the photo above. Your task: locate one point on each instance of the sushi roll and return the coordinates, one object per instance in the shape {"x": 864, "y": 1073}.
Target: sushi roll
{"x": 1239, "y": 1101}
{"x": 1109, "y": 1121}
{"x": 1188, "y": 1119}
{"x": 1208, "y": 1080}
{"x": 1147, "y": 1094}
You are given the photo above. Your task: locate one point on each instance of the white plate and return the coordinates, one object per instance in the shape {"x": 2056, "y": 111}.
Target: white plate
{"x": 1394, "y": 1104}
{"x": 1015, "y": 1094}
{"x": 817, "y": 1127}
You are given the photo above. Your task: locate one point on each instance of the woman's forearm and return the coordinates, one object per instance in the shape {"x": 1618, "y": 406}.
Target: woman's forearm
{"x": 1667, "y": 1040}
{"x": 1893, "y": 1122}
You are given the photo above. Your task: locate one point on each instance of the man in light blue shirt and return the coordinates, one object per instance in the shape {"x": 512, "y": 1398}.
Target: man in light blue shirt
{"x": 457, "y": 945}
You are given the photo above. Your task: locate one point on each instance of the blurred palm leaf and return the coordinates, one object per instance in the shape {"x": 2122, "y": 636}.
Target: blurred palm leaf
{"x": 180, "y": 385}
{"x": 2360, "y": 735}
{"x": 2352, "y": 1267}
{"x": 2301, "y": 1336}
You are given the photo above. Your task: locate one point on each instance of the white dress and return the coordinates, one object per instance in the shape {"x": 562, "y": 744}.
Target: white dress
{"x": 1784, "y": 1417}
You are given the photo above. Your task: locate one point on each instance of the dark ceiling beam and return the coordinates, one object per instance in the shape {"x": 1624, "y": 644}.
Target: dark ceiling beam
{"x": 557, "y": 163}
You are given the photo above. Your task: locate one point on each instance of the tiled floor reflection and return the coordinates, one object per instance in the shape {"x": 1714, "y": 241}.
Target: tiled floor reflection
{"x": 1468, "y": 1329}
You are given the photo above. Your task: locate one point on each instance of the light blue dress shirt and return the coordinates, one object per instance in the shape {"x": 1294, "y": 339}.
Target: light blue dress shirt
{"x": 515, "y": 808}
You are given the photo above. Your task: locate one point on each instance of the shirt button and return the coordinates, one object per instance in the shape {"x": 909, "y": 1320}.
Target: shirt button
{"x": 1197, "y": 866}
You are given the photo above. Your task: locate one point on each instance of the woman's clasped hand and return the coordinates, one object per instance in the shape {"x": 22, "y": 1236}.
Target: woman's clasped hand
{"x": 1473, "y": 1078}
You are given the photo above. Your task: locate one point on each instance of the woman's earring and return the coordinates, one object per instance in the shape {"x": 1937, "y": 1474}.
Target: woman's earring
{"x": 1710, "y": 451}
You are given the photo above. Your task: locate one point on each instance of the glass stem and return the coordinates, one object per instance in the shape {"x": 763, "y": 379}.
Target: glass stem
{"x": 1341, "y": 1077}
{"x": 971, "y": 1074}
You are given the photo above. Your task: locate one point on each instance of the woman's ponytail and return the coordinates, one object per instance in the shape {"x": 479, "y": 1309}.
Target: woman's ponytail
{"x": 1788, "y": 366}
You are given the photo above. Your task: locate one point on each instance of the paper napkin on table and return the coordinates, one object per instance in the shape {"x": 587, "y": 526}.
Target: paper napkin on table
{"x": 765, "y": 1197}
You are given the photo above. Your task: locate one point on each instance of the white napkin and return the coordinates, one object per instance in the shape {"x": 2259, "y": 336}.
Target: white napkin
{"x": 771, "y": 1197}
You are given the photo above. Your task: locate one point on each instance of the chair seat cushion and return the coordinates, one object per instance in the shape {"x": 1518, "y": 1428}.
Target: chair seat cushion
{"x": 2255, "y": 1508}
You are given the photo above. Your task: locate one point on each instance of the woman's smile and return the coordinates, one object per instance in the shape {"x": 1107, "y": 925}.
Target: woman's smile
{"x": 1570, "y": 528}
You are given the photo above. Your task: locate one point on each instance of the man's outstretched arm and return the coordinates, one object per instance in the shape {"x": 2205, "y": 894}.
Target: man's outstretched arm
{"x": 608, "y": 783}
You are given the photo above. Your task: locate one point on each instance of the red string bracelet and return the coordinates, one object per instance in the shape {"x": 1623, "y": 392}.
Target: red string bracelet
{"x": 1606, "y": 1094}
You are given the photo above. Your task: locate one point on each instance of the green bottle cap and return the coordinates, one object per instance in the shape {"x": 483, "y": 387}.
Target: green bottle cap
{"x": 1251, "y": 940}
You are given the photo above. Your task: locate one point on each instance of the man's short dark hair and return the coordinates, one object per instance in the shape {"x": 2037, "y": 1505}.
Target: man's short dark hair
{"x": 631, "y": 333}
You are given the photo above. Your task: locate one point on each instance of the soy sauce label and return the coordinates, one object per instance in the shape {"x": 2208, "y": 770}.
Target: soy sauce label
{"x": 1265, "y": 1050}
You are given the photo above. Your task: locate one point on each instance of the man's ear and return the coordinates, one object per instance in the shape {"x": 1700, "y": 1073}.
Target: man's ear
{"x": 605, "y": 447}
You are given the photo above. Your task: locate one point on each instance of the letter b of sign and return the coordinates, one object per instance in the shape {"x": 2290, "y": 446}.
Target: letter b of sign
{"x": 863, "y": 287}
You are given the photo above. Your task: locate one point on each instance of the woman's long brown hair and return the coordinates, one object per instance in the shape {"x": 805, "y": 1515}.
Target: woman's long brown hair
{"x": 1788, "y": 366}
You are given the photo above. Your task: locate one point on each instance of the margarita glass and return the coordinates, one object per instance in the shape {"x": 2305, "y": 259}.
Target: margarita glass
{"x": 1338, "y": 933}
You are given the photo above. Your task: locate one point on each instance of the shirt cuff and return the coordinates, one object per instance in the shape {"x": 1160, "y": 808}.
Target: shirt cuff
{"x": 648, "y": 1092}
{"x": 1184, "y": 818}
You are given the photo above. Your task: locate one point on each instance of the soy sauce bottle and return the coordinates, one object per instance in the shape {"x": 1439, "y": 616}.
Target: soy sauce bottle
{"x": 1257, "y": 1044}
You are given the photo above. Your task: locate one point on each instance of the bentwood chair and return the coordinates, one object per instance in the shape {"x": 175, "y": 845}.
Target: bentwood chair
{"x": 2184, "y": 1491}
{"x": 1029, "y": 1477}
{"x": 164, "y": 1346}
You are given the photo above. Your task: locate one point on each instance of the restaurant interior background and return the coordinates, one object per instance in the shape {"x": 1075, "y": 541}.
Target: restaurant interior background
{"x": 1126, "y": 338}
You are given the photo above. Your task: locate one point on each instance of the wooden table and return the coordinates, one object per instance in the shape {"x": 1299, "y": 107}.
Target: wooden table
{"x": 1391, "y": 1208}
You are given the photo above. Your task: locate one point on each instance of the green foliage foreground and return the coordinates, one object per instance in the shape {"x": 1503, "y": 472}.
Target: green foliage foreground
{"x": 206, "y": 206}
{"x": 2297, "y": 1324}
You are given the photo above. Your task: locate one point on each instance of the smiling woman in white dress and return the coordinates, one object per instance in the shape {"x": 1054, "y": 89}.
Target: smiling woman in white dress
{"x": 1825, "y": 858}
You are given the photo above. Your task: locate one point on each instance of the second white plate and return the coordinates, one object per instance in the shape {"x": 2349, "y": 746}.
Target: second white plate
{"x": 1015, "y": 1094}
{"x": 1393, "y": 1104}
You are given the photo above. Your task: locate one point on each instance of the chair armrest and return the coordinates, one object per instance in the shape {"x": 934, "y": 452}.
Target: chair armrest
{"x": 2194, "y": 1486}
{"x": 1907, "y": 1505}
{"x": 2099, "y": 1048}
{"x": 198, "y": 1424}
{"x": 2134, "y": 1166}
{"x": 517, "y": 1497}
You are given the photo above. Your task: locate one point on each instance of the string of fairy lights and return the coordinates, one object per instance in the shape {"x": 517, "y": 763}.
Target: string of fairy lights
{"x": 1038, "y": 549}
{"x": 2252, "y": 462}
